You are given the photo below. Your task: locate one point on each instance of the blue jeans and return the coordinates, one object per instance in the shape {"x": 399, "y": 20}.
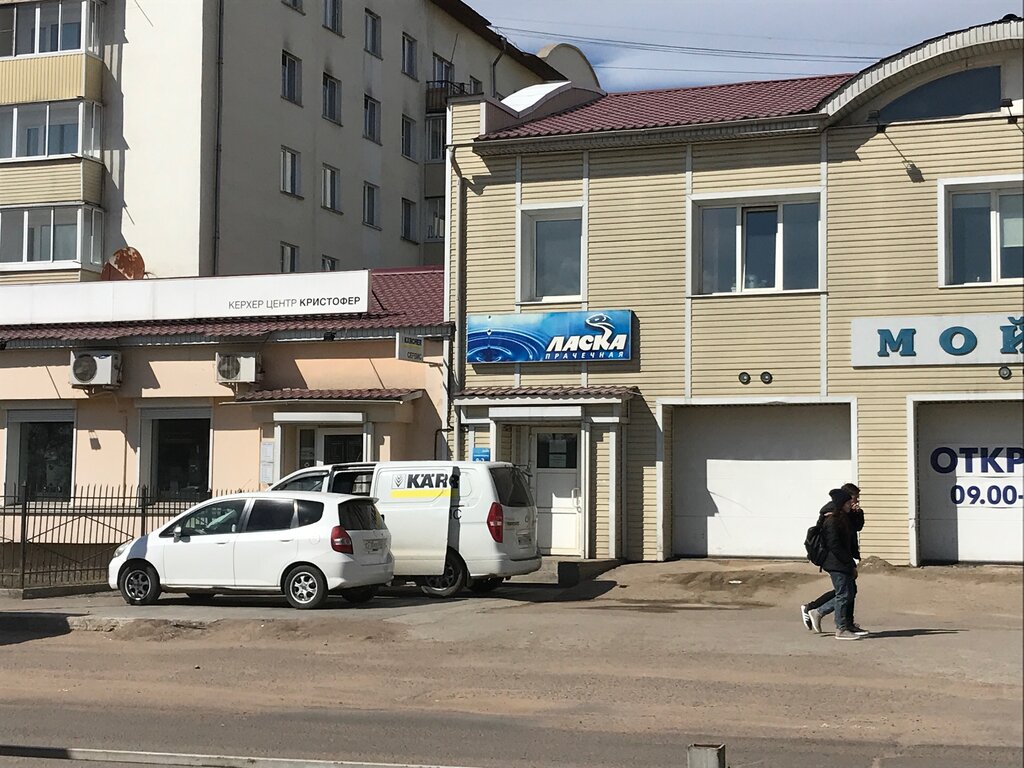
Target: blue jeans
{"x": 846, "y": 593}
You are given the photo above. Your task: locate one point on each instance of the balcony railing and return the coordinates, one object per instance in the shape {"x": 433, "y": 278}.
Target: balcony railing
{"x": 439, "y": 91}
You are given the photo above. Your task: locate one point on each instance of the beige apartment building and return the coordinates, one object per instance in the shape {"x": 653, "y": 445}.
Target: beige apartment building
{"x": 223, "y": 137}
{"x": 694, "y": 311}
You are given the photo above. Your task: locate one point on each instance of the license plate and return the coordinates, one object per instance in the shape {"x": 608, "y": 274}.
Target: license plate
{"x": 524, "y": 539}
{"x": 374, "y": 545}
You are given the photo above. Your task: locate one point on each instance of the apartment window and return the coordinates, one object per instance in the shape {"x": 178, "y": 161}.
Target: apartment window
{"x": 372, "y": 41}
{"x": 296, "y": 4}
{"x": 408, "y": 137}
{"x": 291, "y": 78}
{"x": 371, "y": 205}
{"x": 443, "y": 69}
{"x": 332, "y": 188}
{"x": 328, "y": 264}
{"x": 44, "y": 451}
{"x": 291, "y": 175}
{"x": 475, "y": 86}
{"x": 180, "y": 458}
{"x": 51, "y": 234}
{"x": 409, "y": 220}
{"x": 47, "y": 27}
{"x": 371, "y": 119}
{"x": 289, "y": 257}
{"x": 332, "y": 15}
{"x": 332, "y": 99}
{"x": 409, "y": 56}
{"x": 758, "y": 247}
{"x": 984, "y": 238}
{"x": 552, "y": 250}
{"x": 435, "y": 139}
{"x": 434, "y": 218}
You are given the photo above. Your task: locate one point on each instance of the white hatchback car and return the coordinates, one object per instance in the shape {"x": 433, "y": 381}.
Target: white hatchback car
{"x": 302, "y": 544}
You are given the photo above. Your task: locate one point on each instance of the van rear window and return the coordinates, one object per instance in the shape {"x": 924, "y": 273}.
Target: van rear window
{"x": 360, "y": 515}
{"x": 512, "y": 488}
{"x": 355, "y": 483}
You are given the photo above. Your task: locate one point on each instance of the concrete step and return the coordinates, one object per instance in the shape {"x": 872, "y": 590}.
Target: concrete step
{"x": 567, "y": 571}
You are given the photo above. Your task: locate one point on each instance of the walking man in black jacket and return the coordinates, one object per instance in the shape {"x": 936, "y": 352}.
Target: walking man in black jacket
{"x": 813, "y": 612}
{"x": 840, "y": 539}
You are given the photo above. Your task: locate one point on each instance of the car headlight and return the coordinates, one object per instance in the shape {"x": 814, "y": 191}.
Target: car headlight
{"x": 122, "y": 548}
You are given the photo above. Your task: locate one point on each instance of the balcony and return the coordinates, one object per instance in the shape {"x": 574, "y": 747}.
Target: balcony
{"x": 51, "y": 77}
{"x": 439, "y": 91}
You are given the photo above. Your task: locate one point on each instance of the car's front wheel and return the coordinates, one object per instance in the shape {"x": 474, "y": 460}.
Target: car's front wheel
{"x": 139, "y": 584}
{"x": 305, "y": 587}
{"x": 360, "y": 594}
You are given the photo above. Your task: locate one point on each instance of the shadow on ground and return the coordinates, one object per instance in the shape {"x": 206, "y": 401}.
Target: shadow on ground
{"x": 24, "y": 627}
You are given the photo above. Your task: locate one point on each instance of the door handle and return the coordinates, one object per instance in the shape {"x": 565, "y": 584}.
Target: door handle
{"x": 221, "y": 543}
{"x": 287, "y": 541}
{"x": 574, "y": 495}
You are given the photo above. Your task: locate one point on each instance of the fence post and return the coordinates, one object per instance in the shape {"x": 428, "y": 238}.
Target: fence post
{"x": 24, "y": 534}
{"x": 142, "y": 511}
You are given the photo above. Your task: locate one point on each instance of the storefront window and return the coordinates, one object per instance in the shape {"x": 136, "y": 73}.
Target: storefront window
{"x": 44, "y": 459}
{"x": 181, "y": 458}
{"x": 307, "y": 448}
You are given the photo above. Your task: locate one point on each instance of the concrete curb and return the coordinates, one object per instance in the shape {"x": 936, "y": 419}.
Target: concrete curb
{"x": 573, "y": 572}
{"x": 72, "y": 589}
{"x": 207, "y": 761}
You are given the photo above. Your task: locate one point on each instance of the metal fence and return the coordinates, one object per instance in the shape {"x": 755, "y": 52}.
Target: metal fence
{"x": 68, "y": 538}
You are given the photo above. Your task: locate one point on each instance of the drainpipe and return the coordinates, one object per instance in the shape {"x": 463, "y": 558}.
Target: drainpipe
{"x": 460, "y": 301}
{"x": 494, "y": 68}
{"x": 217, "y": 154}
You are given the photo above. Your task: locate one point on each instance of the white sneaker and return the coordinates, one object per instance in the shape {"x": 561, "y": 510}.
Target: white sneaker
{"x": 805, "y": 617}
{"x": 814, "y": 616}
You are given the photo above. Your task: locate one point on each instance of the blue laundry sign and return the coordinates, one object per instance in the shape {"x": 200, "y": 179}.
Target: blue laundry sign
{"x": 550, "y": 337}
{"x": 481, "y": 454}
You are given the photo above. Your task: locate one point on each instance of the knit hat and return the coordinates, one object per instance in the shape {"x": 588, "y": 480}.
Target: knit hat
{"x": 839, "y": 497}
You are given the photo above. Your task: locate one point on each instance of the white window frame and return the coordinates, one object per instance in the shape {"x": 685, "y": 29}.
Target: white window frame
{"x": 409, "y": 222}
{"x": 434, "y": 230}
{"x": 88, "y": 33}
{"x": 291, "y": 183}
{"x": 86, "y": 257}
{"x": 994, "y": 185}
{"x": 332, "y": 16}
{"x": 408, "y": 137}
{"x": 752, "y": 199}
{"x": 441, "y": 66}
{"x": 372, "y": 34}
{"x": 289, "y": 258}
{"x": 328, "y": 263}
{"x": 15, "y": 418}
{"x": 84, "y": 147}
{"x": 410, "y": 56}
{"x": 328, "y": 82}
{"x": 435, "y": 123}
{"x": 371, "y": 119}
{"x": 285, "y": 55}
{"x": 529, "y": 215}
{"x": 331, "y": 192}
{"x": 371, "y": 192}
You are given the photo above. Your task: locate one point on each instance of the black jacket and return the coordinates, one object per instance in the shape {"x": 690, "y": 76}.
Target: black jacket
{"x": 840, "y": 539}
{"x": 855, "y": 517}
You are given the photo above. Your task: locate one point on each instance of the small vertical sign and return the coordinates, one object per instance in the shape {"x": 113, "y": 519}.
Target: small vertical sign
{"x": 267, "y": 461}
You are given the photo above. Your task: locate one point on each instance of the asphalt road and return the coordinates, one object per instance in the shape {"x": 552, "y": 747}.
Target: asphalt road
{"x": 626, "y": 672}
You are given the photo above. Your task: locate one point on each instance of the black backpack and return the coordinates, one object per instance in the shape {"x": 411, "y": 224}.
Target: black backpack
{"x": 814, "y": 543}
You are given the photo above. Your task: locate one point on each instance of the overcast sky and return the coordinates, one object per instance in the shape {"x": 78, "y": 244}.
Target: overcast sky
{"x": 741, "y": 39}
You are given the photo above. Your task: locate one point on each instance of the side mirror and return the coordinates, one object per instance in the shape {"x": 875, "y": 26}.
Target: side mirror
{"x": 177, "y": 533}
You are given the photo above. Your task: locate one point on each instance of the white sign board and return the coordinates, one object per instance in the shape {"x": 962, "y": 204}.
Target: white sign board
{"x": 409, "y": 348}
{"x": 323, "y": 293}
{"x": 938, "y": 340}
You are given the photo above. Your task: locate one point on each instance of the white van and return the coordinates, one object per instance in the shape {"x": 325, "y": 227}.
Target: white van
{"x": 453, "y": 524}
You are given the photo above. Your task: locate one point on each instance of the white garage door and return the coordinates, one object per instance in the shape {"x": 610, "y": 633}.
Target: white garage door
{"x": 749, "y": 480}
{"x": 970, "y": 465}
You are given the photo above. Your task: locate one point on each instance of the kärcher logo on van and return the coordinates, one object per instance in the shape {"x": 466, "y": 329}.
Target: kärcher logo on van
{"x": 606, "y": 345}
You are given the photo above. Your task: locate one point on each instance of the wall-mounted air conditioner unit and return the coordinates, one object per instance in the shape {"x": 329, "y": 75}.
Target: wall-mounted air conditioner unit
{"x": 95, "y": 368}
{"x": 238, "y": 368}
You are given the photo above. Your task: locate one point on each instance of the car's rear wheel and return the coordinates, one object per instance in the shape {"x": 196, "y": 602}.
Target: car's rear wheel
{"x": 305, "y": 587}
{"x": 139, "y": 584}
{"x": 450, "y": 582}
{"x": 483, "y": 586}
{"x": 360, "y": 594}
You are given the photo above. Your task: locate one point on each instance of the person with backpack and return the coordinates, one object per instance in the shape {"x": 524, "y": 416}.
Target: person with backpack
{"x": 812, "y": 613}
{"x": 840, "y": 536}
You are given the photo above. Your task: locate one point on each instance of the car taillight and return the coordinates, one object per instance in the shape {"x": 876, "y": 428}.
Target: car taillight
{"x": 496, "y": 522}
{"x": 340, "y": 540}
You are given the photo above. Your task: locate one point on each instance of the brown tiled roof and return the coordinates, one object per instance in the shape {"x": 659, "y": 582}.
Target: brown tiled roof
{"x": 557, "y": 391}
{"x": 669, "y": 107}
{"x": 273, "y": 395}
{"x": 410, "y": 297}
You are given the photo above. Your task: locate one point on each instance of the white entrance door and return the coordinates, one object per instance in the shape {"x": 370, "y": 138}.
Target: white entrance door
{"x": 555, "y": 459}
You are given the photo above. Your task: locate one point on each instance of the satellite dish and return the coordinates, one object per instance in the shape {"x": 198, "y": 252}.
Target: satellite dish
{"x": 126, "y": 264}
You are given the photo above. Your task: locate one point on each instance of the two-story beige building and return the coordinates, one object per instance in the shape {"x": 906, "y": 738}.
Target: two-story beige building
{"x": 694, "y": 311}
